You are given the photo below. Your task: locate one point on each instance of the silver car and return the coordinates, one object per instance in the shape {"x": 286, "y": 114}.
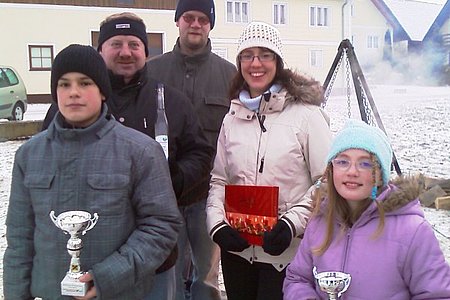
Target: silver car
{"x": 13, "y": 95}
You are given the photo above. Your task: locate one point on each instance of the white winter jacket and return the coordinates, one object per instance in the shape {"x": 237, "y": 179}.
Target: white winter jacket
{"x": 284, "y": 145}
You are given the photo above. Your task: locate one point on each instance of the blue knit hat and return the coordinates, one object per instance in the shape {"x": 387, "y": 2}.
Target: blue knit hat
{"x": 358, "y": 135}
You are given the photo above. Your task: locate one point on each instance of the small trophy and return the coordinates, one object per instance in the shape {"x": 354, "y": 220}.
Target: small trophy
{"x": 332, "y": 283}
{"x": 75, "y": 223}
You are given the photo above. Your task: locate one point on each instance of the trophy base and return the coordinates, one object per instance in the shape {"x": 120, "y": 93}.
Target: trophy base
{"x": 73, "y": 287}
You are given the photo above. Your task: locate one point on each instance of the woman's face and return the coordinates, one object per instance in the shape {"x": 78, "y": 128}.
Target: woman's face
{"x": 258, "y": 67}
{"x": 353, "y": 175}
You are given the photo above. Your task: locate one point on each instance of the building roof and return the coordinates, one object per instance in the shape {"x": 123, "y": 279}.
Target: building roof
{"x": 410, "y": 19}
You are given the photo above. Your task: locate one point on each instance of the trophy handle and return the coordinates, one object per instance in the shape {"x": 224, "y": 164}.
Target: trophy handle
{"x": 54, "y": 219}
{"x": 92, "y": 223}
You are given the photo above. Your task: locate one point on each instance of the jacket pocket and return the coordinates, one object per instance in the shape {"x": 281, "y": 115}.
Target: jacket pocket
{"x": 40, "y": 189}
{"x": 214, "y": 110}
{"x": 110, "y": 193}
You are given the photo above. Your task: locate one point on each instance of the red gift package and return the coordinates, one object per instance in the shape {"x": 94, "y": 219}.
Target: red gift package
{"x": 251, "y": 210}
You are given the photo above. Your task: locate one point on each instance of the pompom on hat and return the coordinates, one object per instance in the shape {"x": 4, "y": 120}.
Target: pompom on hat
{"x": 204, "y": 6}
{"x": 358, "y": 135}
{"x": 82, "y": 59}
{"x": 260, "y": 34}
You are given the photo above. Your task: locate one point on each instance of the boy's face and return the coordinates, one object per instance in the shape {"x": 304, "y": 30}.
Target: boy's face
{"x": 79, "y": 99}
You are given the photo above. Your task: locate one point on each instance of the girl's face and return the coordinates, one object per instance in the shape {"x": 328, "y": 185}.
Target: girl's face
{"x": 79, "y": 99}
{"x": 258, "y": 68}
{"x": 353, "y": 175}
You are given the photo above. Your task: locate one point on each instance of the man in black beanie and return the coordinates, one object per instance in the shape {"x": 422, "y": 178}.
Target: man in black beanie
{"x": 123, "y": 45}
{"x": 204, "y": 77}
{"x": 86, "y": 161}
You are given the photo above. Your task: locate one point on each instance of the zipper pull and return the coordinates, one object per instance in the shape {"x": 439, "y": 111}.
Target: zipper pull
{"x": 261, "y": 166}
{"x": 261, "y": 122}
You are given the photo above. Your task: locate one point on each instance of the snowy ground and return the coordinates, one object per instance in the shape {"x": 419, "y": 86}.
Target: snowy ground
{"x": 416, "y": 120}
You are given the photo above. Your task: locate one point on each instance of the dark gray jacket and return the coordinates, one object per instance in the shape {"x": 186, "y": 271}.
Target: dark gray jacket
{"x": 108, "y": 169}
{"x": 205, "y": 79}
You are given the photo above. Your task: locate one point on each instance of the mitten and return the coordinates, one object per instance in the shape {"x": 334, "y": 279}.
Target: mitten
{"x": 229, "y": 239}
{"x": 278, "y": 239}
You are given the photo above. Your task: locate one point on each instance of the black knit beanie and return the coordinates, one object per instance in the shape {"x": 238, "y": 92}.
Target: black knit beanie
{"x": 205, "y": 6}
{"x": 81, "y": 59}
{"x": 123, "y": 26}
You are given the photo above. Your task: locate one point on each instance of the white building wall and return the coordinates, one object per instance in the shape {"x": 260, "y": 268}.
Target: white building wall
{"x": 24, "y": 24}
{"x": 58, "y": 25}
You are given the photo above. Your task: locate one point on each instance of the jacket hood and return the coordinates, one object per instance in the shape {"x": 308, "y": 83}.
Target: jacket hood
{"x": 305, "y": 90}
{"x": 406, "y": 190}
{"x": 400, "y": 197}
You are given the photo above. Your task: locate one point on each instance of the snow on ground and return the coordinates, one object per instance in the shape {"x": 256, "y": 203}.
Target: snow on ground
{"x": 415, "y": 118}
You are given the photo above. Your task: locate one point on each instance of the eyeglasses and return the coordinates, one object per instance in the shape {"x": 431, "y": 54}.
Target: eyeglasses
{"x": 343, "y": 164}
{"x": 191, "y": 19}
{"x": 265, "y": 57}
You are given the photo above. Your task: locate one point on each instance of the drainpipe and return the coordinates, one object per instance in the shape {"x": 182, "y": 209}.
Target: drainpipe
{"x": 346, "y": 3}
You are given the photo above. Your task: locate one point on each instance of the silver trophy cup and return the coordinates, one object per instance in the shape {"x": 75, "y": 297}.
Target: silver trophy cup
{"x": 75, "y": 223}
{"x": 332, "y": 283}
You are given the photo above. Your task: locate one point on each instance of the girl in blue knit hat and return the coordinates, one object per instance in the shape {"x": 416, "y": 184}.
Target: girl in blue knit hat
{"x": 370, "y": 229}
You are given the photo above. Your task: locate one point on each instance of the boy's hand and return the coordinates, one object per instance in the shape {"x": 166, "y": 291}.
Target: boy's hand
{"x": 92, "y": 292}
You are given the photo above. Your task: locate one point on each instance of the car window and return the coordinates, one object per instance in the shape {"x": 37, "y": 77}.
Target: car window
{"x": 3, "y": 79}
{"x": 13, "y": 80}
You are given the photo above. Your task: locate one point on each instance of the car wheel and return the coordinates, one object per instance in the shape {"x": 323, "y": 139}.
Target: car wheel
{"x": 17, "y": 112}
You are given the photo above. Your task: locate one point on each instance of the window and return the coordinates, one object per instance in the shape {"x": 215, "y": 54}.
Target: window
{"x": 319, "y": 16}
{"x": 372, "y": 41}
{"x": 13, "y": 80}
{"x": 237, "y": 11}
{"x": 7, "y": 77}
{"x": 222, "y": 52}
{"x": 279, "y": 13}
{"x": 316, "y": 58}
{"x": 41, "y": 57}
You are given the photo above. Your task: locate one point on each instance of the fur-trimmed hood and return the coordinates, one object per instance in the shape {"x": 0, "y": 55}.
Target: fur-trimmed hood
{"x": 405, "y": 190}
{"x": 305, "y": 90}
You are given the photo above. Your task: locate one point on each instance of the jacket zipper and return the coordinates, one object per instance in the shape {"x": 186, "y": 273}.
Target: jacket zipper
{"x": 261, "y": 119}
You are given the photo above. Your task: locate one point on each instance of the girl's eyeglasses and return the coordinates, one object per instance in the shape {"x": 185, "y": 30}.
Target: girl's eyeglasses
{"x": 343, "y": 164}
{"x": 191, "y": 19}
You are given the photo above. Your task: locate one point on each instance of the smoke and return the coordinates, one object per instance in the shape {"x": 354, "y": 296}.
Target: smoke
{"x": 412, "y": 63}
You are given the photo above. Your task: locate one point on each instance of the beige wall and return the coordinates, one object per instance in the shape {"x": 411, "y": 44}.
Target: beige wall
{"x": 367, "y": 20}
{"x": 24, "y": 24}
{"x": 60, "y": 26}
{"x": 297, "y": 36}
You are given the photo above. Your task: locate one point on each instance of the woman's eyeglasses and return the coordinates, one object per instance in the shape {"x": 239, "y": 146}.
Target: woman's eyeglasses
{"x": 265, "y": 57}
{"x": 191, "y": 19}
{"x": 343, "y": 164}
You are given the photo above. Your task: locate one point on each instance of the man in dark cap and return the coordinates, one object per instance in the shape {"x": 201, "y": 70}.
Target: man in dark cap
{"x": 86, "y": 161}
{"x": 204, "y": 78}
{"x": 123, "y": 45}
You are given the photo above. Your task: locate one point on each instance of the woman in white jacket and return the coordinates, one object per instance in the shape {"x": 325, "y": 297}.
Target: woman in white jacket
{"x": 275, "y": 134}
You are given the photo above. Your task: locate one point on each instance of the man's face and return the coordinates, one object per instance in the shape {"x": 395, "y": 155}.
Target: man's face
{"x": 194, "y": 28}
{"x": 124, "y": 55}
